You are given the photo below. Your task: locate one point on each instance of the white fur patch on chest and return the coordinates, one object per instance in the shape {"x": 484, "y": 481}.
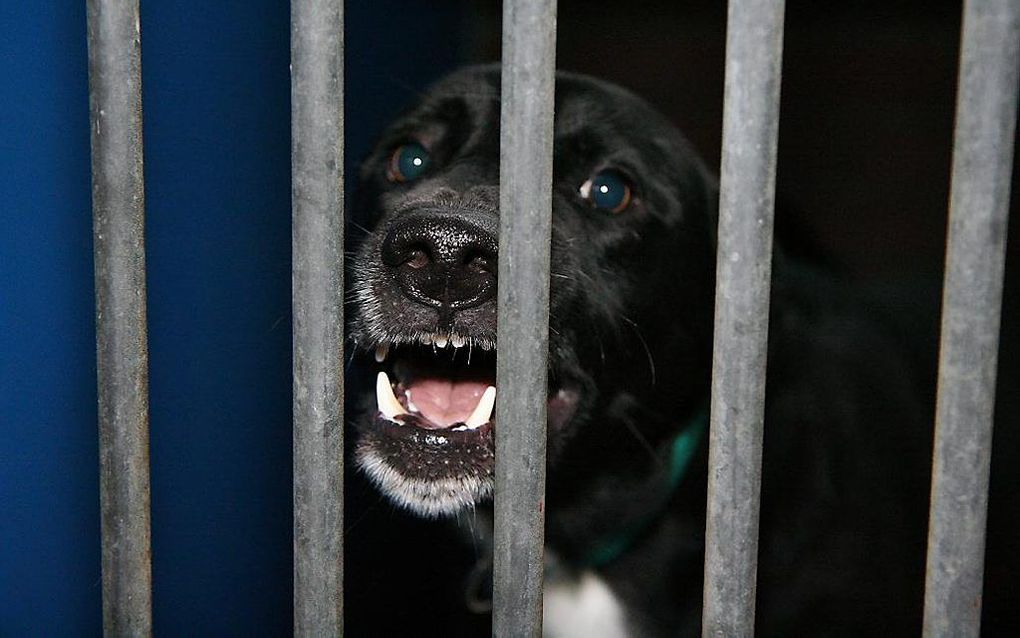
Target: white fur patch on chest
{"x": 582, "y": 608}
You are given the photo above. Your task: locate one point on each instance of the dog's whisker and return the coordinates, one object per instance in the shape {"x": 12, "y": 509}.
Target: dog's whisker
{"x": 648, "y": 352}
{"x": 364, "y": 514}
{"x": 278, "y": 321}
{"x": 350, "y": 359}
{"x": 357, "y": 226}
{"x": 642, "y": 441}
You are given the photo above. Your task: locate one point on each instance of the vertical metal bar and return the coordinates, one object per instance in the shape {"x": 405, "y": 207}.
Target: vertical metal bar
{"x": 986, "y": 112}
{"x": 526, "y": 127}
{"x": 122, "y": 355}
{"x": 754, "y": 44}
{"x": 317, "y": 197}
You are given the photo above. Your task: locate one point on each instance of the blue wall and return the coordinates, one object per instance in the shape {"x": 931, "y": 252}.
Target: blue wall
{"x": 216, "y": 98}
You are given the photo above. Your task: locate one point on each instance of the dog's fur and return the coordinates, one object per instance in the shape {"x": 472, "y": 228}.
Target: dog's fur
{"x": 849, "y": 389}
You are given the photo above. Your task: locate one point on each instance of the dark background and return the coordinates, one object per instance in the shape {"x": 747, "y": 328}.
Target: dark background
{"x": 864, "y": 161}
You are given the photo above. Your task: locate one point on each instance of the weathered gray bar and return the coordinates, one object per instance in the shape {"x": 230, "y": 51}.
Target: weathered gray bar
{"x": 529, "y": 51}
{"x": 317, "y": 198}
{"x": 986, "y": 112}
{"x": 122, "y": 357}
{"x": 754, "y": 44}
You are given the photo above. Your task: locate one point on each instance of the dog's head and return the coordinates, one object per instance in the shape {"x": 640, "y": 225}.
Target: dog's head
{"x": 631, "y": 299}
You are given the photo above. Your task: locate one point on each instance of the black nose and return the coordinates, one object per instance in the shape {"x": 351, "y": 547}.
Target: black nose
{"x": 442, "y": 261}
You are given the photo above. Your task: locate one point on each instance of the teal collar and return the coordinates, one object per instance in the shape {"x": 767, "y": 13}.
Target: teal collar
{"x": 682, "y": 450}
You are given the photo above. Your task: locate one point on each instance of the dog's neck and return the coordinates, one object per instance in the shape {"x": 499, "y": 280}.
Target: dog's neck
{"x": 620, "y": 520}
{"x": 617, "y": 484}
{"x": 681, "y": 452}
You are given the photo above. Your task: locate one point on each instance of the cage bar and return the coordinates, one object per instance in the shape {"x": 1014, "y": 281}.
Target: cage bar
{"x": 122, "y": 356}
{"x": 317, "y": 199}
{"x": 986, "y": 112}
{"x": 526, "y": 128}
{"x": 754, "y": 44}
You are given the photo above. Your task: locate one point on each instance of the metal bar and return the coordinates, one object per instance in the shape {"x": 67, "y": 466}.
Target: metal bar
{"x": 754, "y": 44}
{"x": 317, "y": 142}
{"x": 122, "y": 356}
{"x": 986, "y": 112}
{"x": 526, "y": 147}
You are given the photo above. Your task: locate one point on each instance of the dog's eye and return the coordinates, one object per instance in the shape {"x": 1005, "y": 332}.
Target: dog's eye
{"x": 608, "y": 190}
{"x": 408, "y": 163}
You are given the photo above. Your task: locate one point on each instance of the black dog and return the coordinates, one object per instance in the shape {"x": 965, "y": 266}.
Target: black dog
{"x": 849, "y": 409}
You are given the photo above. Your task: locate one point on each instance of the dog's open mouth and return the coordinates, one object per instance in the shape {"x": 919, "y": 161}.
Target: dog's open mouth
{"x": 445, "y": 386}
{"x": 430, "y": 443}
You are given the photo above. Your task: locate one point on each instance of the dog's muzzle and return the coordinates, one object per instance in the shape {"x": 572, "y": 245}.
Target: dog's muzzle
{"x": 429, "y": 443}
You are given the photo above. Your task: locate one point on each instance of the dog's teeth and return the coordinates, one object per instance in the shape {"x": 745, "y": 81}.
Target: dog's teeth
{"x": 483, "y": 411}
{"x": 457, "y": 341}
{"x": 426, "y": 339}
{"x": 439, "y": 340}
{"x": 381, "y": 351}
{"x": 388, "y": 404}
{"x": 410, "y": 402}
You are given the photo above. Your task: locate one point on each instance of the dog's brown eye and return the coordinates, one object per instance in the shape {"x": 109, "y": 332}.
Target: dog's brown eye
{"x": 408, "y": 163}
{"x": 608, "y": 190}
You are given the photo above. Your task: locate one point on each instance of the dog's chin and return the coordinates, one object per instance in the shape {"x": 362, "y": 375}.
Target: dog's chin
{"x": 429, "y": 444}
{"x": 418, "y": 492}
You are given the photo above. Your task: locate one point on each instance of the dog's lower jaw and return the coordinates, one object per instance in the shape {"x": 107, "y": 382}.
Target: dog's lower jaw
{"x": 430, "y": 498}
{"x": 419, "y": 445}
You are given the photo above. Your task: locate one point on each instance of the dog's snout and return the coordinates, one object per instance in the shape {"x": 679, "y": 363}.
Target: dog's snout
{"x": 442, "y": 261}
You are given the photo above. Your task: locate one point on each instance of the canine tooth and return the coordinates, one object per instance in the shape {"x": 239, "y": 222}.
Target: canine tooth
{"x": 388, "y": 404}
{"x": 483, "y": 411}
{"x": 439, "y": 340}
{"x": 381, "y": 351}
{"x": 457, "y": 341}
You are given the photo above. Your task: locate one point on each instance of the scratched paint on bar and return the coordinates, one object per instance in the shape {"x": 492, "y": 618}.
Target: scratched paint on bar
{"x": 971, "y": 304}
{"x": 529, "y": 39}
{"x": 317, "y": 236}
{"x": 754, "y": 45}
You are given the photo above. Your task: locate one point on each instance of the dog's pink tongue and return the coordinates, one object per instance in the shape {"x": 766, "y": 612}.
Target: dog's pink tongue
{"x": 444, "y": 402}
